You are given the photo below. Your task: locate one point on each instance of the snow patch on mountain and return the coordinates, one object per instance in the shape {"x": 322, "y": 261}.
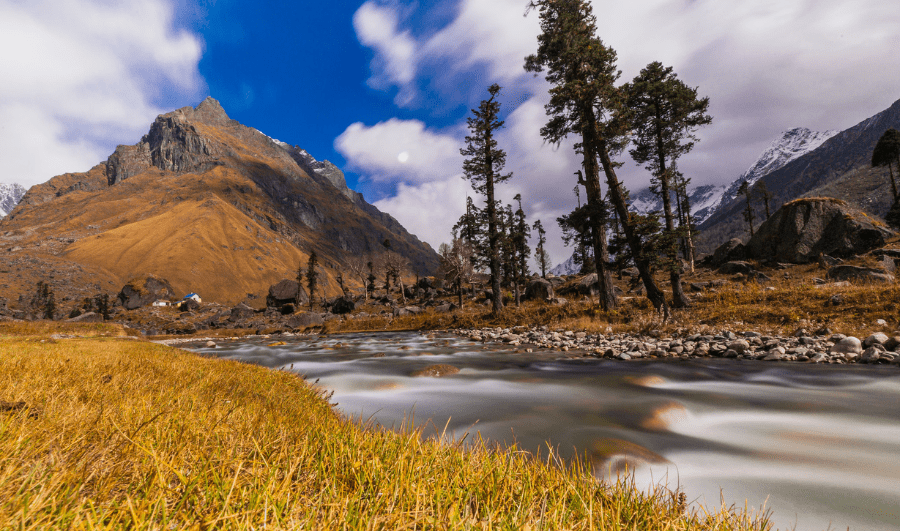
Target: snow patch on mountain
{"x": 569, "y": 267}
{"x": 10, "y": 195}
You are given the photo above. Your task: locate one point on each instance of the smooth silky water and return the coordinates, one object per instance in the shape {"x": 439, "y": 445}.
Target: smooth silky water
{"x": 817, "y": 444}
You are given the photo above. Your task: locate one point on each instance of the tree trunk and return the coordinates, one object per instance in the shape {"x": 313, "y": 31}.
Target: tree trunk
{"x": 679, "y": 300}
{"x": 496, "y": 301}
{"x": 402, "y": 290}
{"x": 459, "y": 291}
{"x": 598, "y": 215}
{"x": 518, "y": 297}
{"x": 656, "y": 297}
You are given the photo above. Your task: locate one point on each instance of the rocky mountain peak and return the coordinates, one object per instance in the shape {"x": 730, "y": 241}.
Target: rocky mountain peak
{"x": 10, "y": 195}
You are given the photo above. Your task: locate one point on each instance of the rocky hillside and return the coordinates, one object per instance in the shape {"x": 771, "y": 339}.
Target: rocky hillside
{"x": 211, "y": 205}
{"x": 839, "y": 167}
{"x": 10, "y": 195}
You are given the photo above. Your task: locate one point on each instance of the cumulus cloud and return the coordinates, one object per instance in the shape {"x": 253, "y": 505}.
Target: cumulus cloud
{"x": 400, "y": 150}
{"x": 429, "y": 210}
{"x": 79, "y": 76}
{"x": 394, "y": 63}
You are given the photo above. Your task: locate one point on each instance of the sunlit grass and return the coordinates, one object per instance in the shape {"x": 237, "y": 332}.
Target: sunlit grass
{"x": 105, "y": 433}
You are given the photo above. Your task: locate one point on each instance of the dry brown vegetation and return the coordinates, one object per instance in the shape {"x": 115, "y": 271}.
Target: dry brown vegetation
{"x": 104, "y": 433}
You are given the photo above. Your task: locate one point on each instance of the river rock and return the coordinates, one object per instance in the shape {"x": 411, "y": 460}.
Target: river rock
{"x": 343, "y": 305}
{"x": 739, "y": 346}
{"x": 241, "y": 312}
{"x": 436, "y": 371}
{"x": 878, "y": 337}
{"x": 870, "y": 355}
{"x": 892, "y": 343}
{"x": 849, "y": 347}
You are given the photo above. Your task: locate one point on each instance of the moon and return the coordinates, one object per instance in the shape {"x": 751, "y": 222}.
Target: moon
{"x": 403, "y": 157}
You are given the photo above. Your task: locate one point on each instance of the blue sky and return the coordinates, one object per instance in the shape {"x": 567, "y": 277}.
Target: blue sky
{"x": 382, "y": 88}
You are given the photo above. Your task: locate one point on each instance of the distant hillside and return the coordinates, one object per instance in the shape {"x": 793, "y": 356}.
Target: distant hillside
{"x": 839, "y": 167}
{"x": 207, "y": 203}
{"x": 10, "y": 195}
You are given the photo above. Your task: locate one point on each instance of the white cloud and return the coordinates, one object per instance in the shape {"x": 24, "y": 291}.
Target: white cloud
{"x": 78, "y": 76}
{"x": 376, "y": 151}
{"x": 394, "y": 64}
{"x": 429, "y": 210}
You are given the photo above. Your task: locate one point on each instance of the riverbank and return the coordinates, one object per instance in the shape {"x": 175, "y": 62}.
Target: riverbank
{"x": 100, "y": 431}
{"x": 803, "y": 346}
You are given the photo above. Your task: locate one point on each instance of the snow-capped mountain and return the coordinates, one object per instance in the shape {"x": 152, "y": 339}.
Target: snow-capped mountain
{"x": 702, "y": 199}
{"x": 789, "y": 146}
{"x": 569, "y": 267}
{"x": 10, "y": 195}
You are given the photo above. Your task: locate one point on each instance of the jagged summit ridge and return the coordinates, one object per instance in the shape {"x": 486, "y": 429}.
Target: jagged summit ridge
{"x": 10, "y": 195}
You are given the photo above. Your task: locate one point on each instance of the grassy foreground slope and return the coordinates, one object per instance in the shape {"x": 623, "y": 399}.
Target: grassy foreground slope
{"x": 105, "y": 432}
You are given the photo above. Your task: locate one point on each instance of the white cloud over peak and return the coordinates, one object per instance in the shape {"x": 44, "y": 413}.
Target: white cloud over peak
{"x": 394, "y": 63}
{"x": 376, "y": 151}
{"x": 77, "y": 76}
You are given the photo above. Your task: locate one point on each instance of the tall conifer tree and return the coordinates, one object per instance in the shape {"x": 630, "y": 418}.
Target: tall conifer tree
{"x": 664, "y": 113}
{"x": 483, "y": 167}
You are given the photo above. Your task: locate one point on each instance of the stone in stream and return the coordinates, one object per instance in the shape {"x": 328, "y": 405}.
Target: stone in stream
{"x": 436, "y": 370}
{"x": 740, "y": 346}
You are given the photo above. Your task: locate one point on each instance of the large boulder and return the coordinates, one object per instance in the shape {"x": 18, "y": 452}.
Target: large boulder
{"x": 140, "y": 292}
{"x": 539, "y": 289}
{"x": 343, "y": 305}
{"x": 803, "y": 229}
{"x": 284, "y": 293}
{"x": 303, "y": 321}
{"x": 241, "y": 312}
{"x": 731, "y": 251}
{"x": 859, "y": 274}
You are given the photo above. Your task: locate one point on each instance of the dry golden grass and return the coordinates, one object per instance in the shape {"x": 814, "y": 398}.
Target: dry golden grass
{"x": 102, "y": 433}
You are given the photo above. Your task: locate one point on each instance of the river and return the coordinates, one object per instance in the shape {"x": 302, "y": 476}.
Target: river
{"x": 819, "y": 445}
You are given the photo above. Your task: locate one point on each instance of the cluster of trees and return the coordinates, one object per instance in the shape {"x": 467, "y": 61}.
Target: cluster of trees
{"x": 757, "y": 191}
{"x": 494, "y": 237}
{"x": 656, "y": 113}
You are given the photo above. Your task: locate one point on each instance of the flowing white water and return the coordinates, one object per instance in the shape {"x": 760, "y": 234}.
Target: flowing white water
{"x": 818, "y": 445}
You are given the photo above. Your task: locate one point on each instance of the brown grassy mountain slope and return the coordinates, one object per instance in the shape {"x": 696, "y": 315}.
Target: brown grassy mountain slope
{"x": 205, "y": 202}
{"x": 840, "y": 168}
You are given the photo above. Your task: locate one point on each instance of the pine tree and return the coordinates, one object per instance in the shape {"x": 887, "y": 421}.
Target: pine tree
{"x": 664, "y": 113}
{"x": 887, "y": 153}
{"x": 523, "y": 233}
{"x": 483, "y": 167}
{"x": 311, "y": 278}
{"x": 585, "y": 102}
{"x": 762, "y": 191}
{"x": 744, "y": 190}
{"x": 541, "y": 255}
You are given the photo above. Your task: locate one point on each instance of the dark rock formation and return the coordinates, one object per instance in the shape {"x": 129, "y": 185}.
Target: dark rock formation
{"x": 241, "y": 312}
{"x": 285, "y": 292}
{"x": 730, "y": 251}
{"x": 343, "y": 305}
{"x": 143, "y": 291}
{"x": 303, "y": 321}
{"x": 803, "y": 229}
{"x": 539, "y": 289}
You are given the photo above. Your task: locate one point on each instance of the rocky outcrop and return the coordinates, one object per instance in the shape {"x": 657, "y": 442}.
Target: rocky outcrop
{"x": 539, "y": 289}
{"x": 140, "y": 292}
{"x": 730, "y": 251}
{"x": 284, "y": 293}
{"x": 803, "y": 229}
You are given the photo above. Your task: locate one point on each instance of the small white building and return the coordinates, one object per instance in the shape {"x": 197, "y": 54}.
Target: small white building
{"x": 193, "y": 296}
{"x": 162, "y": 303}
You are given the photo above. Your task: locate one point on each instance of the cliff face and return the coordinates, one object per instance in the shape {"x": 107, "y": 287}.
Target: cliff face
{"x": 210, "y": 205}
